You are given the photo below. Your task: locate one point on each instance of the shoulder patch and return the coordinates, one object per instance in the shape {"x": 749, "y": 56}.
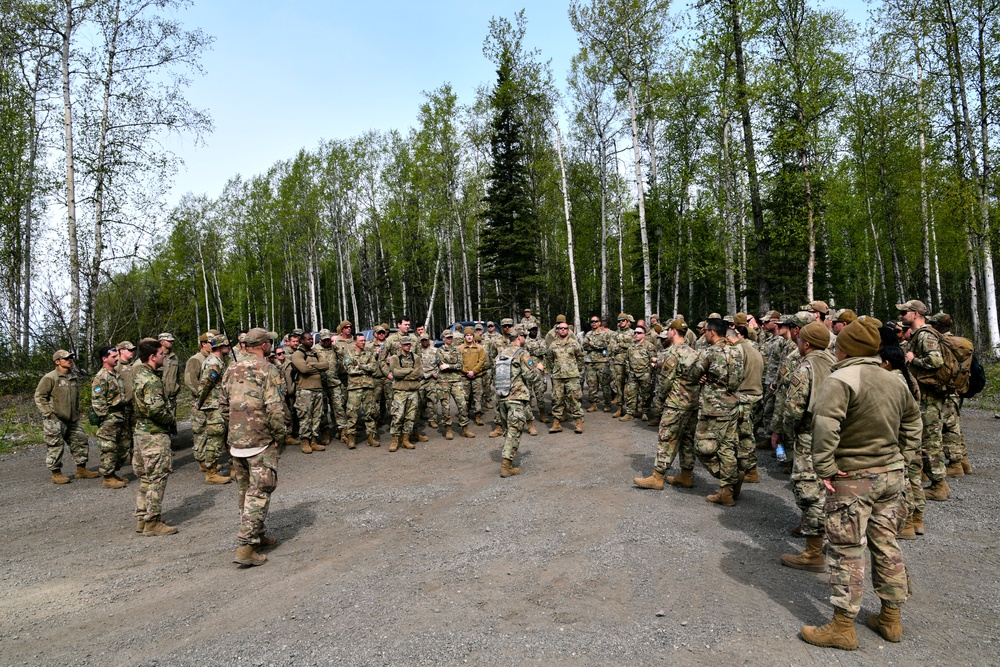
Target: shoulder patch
{"x": 795, "y": 381}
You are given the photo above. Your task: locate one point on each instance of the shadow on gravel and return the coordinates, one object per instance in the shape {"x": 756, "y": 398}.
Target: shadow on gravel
{"x": 288, "y": 522}
{"x": 194, "y": 505}
{"x": 523, "y": 455}
{"x": 642, "y": 463}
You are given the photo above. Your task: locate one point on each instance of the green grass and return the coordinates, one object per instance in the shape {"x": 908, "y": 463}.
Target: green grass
{"x": 989, "y": 398}
{"x": 20, "y": 423}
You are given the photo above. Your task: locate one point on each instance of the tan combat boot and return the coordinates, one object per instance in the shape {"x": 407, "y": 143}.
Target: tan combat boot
{"x": 907, "y": 532}
{"x": 918, "y": 521}
{"x": 617, "y": 413}
{"x": 738, "y": 486}
{"x": 592, "y": 408}
{"x": 507, "y": 469}
{"x": 83, "y": 473}
{"x": 685, "y": 480}
{"x": 938, "y": 491}
{"x": 157, "y": 528}
{"x": 245, "y": 555}
{"x": 838, "y": 633}
{"x": 645, "y": 418}
{"x": 405, "y": 442}
{"x": 373, "y": 440}
{"x": 966, "y": 466}
{"x": 213, "y": 477}
{"x": 531, "y": 428}
{"x": 811, "y": 559}
{"x": 887, "y": 623}
{"x": 448, "y": 433}
{"x": 752, "y": 476}
{"x": 723, "y": 497}
{"x": 306, "y": 449}
{"x": 112, "y": 482}
{"x": 955, "y": 470}
{"x": 59, "y": 478}
{"x": 325, "y": 438}
{"x": 291, "y": 441}
{"x": 497, "y": 431}
{"x": 479, "y": 419}
{"x": 268, "y": 542}
{"x": 140, "y": 525}
{"x": 201, "y": 467}
{"x": 654, "y": 421}
{"x": 626, "y": 418}
{"x": 394, "y": 445}
{"x": 317, "y": 446}
{"x": 419, "y": 437}
{"x": 431, "y": 423}
{"x": 578, "y": 425}
{"x": 556, "y": 426}
{"x": 466, "y": 433}
{"x": 349, "y": 440}
{"x": 607, "y": 408}
{"x": 654, "y": 481}
{"x": 542, "y": 417}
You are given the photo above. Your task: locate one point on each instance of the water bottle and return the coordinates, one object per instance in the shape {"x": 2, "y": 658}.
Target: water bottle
{"x": 779, "y": 451}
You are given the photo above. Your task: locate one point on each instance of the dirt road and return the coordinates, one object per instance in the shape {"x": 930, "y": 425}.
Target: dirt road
{"x": 429, "y": 557}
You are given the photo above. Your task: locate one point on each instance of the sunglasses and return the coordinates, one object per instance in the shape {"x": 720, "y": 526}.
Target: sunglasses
{"x": 562, "y": 328}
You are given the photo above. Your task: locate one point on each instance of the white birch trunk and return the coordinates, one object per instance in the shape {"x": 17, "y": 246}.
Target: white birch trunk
{"x": 647, "y": 285}
{"x": 71, "y": 230}
{"x": 569, "y": 229}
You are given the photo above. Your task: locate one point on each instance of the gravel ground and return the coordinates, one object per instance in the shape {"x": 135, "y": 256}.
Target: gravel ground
{"x": 428, "y": 557}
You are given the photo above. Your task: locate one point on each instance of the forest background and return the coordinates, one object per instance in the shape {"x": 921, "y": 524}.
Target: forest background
{"x": 735, "y": 155}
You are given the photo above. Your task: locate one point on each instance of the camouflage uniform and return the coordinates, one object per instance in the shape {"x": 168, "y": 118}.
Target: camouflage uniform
{"x": 57, "y": 397}
{"x": 493, "y": 342}
{"x": 309, "y": 391}
{"x": 716, "y": 437}
{"x": 926, "y": 348}
{"x": 333, "y": 389}
{"x": 152, "y": 459}
{"x": 564, "y": 358}
{"x": 639, "y": 387}
{"x": 955, "y": 450}
{"x": 595, "y": 356}
{"x": 170, "y": 373}
{"x": 451, "y": 385}
{"x": 533, "y": 377}
{"x": 192, "y": 379}
{"x": 108, "y": 401}
{"x": 750, "y": 392}
{"x": 382, "y": 385}
{"x": 251, "y": 400}
{"x": 621, "y": 340}
{"x": 407, "y": 371}
{"x": 680, "y": 389}
{"x": 530, "y": 321}
{"x": 514, "y": 411}
{"x": 430, "y": 401}
{"x": 360, "y": 365}
{"x": 214, "y": 441}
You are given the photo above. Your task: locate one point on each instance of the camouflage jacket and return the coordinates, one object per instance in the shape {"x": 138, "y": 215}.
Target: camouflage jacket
{"x": 213, "y": 365}
{"x": 926, "y": 348}
{"x": 406, "y": 370}
{"x": 429, "y": 361}
{"x": 380, "y": 353}
{"x": 330, "y": 355}
{"x": 252, "y": 399}
{"x": 680, "y": 378}
{"x": 360, "y": 367}
{"x": 344, "y": 348}
{"x": 535, "y": 347}
{"x": 777, "y": 350}
{"x": 192, "y": 371}
{"x": 520, "y": 366}
{"x": 152, "y": 413}
{"x": 493, "y": 343}
{"x": 564, "y": 358}
{"x": 170, "y": 372}
{"x": 107, "y": 393}
{"x": 621, "y": 340}
{"x": 640, "y": 358}
{"x": 788, "y": 365}
{"x": 528, "y": 321}
{"x": 800, "y": 394}
{"x": 722, "y": 364}
{"x": 450, "y": 363}
{"x": 595, "y": 346}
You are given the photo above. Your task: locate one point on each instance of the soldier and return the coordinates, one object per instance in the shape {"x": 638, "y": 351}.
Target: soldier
{"x": 430, "y": 402}
{"x": 170, "y": 373}
{"x": 309, "y": 394}
{"x": 621, "y": 339}
{"x": 108, "y": 403}
{"x": 192, "y": 380}
{"x": 534, "y": 376}
{"x": 923, "y": 358}
{"x": 125, "y": 367}
{"x": 749, "y": 393}
{"x": 393, "y": 341}
{"x": 680, "y": 386}
{"x": 564, "y": 358}
{"x": 58, "y": 397}
{"x": 716, "y": 438}
{"x": 493, "y": 342}
{"x": 382, "y": 393}
{"x": 955, "y": 452}
{"x": 640, "y": 360}
{"x": 333, "y": 389}
{"x": 152, "y": 459}
{"x": 359, "y": 364}
{"x": 473, "y": 362}
{"x": 213, "y": 442}
{"x": 789, "y": 329}
{"x": 866, "y": 427}
{"x": 595, "y": 356}
{"x": 451, "y": 385}
{"x": 405, "y": 371}
{"x": 251, "y": 401}
{"x": 528, "y": 320}
{"x": 804, "y": 386}
{"x": 290, "y": 376}
{"x": 513, "y": 397}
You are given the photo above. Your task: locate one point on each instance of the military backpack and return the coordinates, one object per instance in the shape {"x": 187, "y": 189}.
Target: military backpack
{"x": 952, "y": 377}
{"x": 504, "y": 373}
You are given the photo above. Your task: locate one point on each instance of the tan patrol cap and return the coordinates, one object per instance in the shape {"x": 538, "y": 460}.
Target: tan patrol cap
{"x": 817, "y": 307}
{"x": 325, "y": 334}
{"x": 167, "y": 336}
{"x": 125, "y": 345}
{"x": 61, "y": 354}
{"x": 913, "y": 305}
{"x": 257, "y": 336}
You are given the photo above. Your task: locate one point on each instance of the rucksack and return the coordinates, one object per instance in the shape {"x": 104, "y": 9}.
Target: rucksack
{"x": 977, "y": 379}
{"x": 503, "y": 374}
{"x": 952, "y": 377}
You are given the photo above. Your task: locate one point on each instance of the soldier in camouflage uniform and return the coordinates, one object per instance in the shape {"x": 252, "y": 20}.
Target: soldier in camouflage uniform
{"x": 716, "y": 437}
{"x": 393, "y": 341}
{"x": 536, "y": 348}
{"x": 621, "y": 340}
{"x": 108, "y": 403}
{"x": 680, "y": 388}
{"x": 451, "y": 385}
{"x": 529, "y": 320}
{"x": 564, "y": 358}
{"x": 152, "y": 459}
{"x": 252, "y": 402}
{"x": 291, "y": 345}
{"x": 126, "y": 366}
{"x": 804, "y": 386}
{"x": 192, "y": 379}
{"x": 213, "y": 443}
{"x": 493, "y": 341}
{"x": 640, "y": 359}
{"x": 309, "y": 394}
{"x": 57, "y": 397}
{"x": 595, "y": 356}
{"x": 514, "y": 409}
{"x": 430, "y": 401}
{"x": 771, "y": 350}
{"x": 749, "y": 393}
{"x": 866, "y": 427}
{"x": 382, "y": 392}
{"x": 789, "y": 327}
{"x": 360, "y": 366}
{"x": 333, "y": 389}
{"x": 170, "y": 373}
{"x": 406, "y": 371}
{"x": 955, "y": 452}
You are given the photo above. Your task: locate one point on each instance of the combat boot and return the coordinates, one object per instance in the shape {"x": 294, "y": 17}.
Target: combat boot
{"x": 811, "y": 559}
{"x": 448, "y": 433}
{"x": 556, "y": 426}
{"x": 157, "y": 528}
{"x": 617, "y": 413}
{"x": 405, "y": 442}
{"x": 723, "y": 497}
{"x": 918, "y": 521}
{"x": 908, "y": 532}
{"x": 112, "y": 482}
{"x": 531, "y": 428}
{"x": 325, "y": 438}
{"x": 592, "y": 408}
{"x": 247, "y": 556}
{"x": 213, "y": 477}
{"x": 938, "y": 491}
{"x": 140, "y": 525}
{"x": 752, "y": 476}
{"x": 645, "y": 418}
{"x": 419, "y": 437}
{"x": 654, "y": 421}
{"x": 316, "y": 446}
{"x": 578, "y": 425}
{"x": 59, "y": 478}
{"x": 432, "y": 423}
{"x": 544, "y": 418}
{"x": 201, "y": 467}
{"x": 507, "y": 469}
{"x": 466, "y": 433}
{"x": 373, "y": 440}
{"x": 955, "y": 469}
{"x": 291, "y": 440}
{"x": 268, "y": 542}
{"x": 739, "y": 485}
{"x": 838, "y": 633}
{"x": 654, "y": 481}
{"x": 607, "y": 408}
{"x": 887, "y": 623}
{"x": 394, "y": 445}
{"x": 497, "y": 431}
{"x": 626, "y": 418}
{"x": 306, "y": 449}
{"x": 685, "y": 481}
{"x": 83, "y": 473}
{"x": 349, "y": 440}
{"x": 479, "y": 419}
{"x": 340, "y": 435}
{"x": 966, "y": 466}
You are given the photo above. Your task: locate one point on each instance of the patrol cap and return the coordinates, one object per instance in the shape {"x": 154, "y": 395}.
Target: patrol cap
{"x": 294, "y": 332}
{"x": 424, "y": 336}
{"x": 741, "y": 319}
{"x": 942, "y": 318}
{"x": 679, "y": 325}
{"x": 527, "y": 310}
{"x": 713, "y": 316}
{"x": 506, "y": 322}
{"x": 799, "y": 319}
{"x": 773, "y": 315}
{"x": 258, "y": 336}
{"x": 530, "y": 327}
{"x": 729, "y": 319}
{"x": 846, "y": 316}
{"x": 520, "y": 330}
{"x": 206, "y": 337}
{"x": 61, "y": 354}
{"x": 273, "y": 335}
{"x": 406, "y": 340}
{"x": 167, "y": 336}
{"x": 220, "y": 340}
{"x": 631, "y": 319}
{"x": 343, "y": 323}
{"x": 560, "y": 319}
{"x": 658, "y": 328}
{"x": 127, "y": 345}
{"x": 380, "y": 329}
{"x": 491, "y": 323}
{"x": 816, "y": 307}
{"x": 447, "y": 333}
{"x": 622, "y": 317}
{"x": 479, "y": 326}
{"x": 912, "y": 305}
{"x": 663, "y": 333}
{"x": 325, "y": 334}
{"x": 702, "y": 324}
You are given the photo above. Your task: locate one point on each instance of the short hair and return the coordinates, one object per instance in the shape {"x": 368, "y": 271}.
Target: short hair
{"x": 743, "y": 331}
{"x": 359, "y": 334}
{"x": 719, "y": 326}
{"x": 403, "y": 318}
{"x": 146, "y": 348}
{"x": 106, "y": 350}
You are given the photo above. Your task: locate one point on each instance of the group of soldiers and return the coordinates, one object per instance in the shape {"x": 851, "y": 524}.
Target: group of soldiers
{"x": 841, "y": 392}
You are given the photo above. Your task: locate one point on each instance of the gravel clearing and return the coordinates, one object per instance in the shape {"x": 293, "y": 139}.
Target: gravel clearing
{"x": 428, "y": 557}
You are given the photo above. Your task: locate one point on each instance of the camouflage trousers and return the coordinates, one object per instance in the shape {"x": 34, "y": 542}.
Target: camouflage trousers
{"x": 256, "y": 477}
{"x": 114, "y": 443}
{"x": 566, "y": 397}
{"x": 197, "y": 432}
{"x": 767, "y": 409}
{"x": 951, "y": 430}
{"x": 214, "y": 438}
{"x": 810, "y": 494}
{"x": 474, "y": 394}
{"x": 382, "y": 398}
{"x": 404, "y": 411}
{"x": 598, "y": 383}
{"x": 430, "y": 401}
{"x": 676, "y": 434}
{"x": 865, "y": 509}
{"x": 617, "y": 375}
{"x": 456, "y": 391}
{"x": 535, "y": 381}
{"x": 747, "y": 409}
{"x": 715, "y": 443}
{"x": 513, "y": 416}
{"x": 931, "y": 407}
{"x": 57, "y": 435}
{"x": 309, "y": 409}
{"x": 360, "y": 402}
{"x": 152, "y": 462}
{"x": 916, "y": 501}
{"x": 638, "y": 391}
{"x": 334, "y": 409}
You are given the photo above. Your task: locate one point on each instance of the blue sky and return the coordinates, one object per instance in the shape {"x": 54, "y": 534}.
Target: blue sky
{"x": 282, "y": 76}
